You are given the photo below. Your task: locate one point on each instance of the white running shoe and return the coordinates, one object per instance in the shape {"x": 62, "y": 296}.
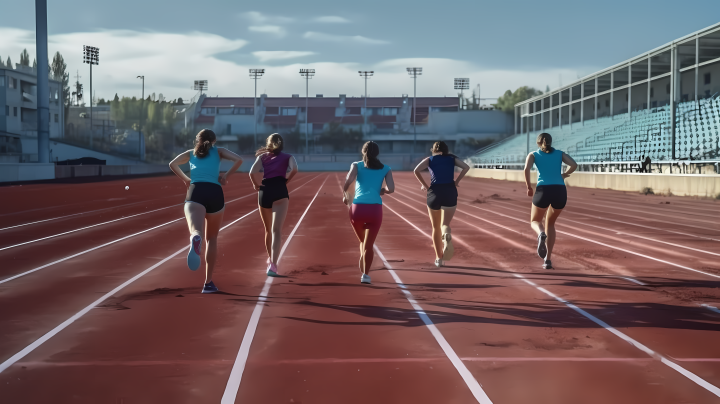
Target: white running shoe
{"x": 193, "y": 257}
{"x": 448, "y": 248}
{"x": 364, "y": 278}
{"x": 439, "y": 263}
{"x": 272, "y": 270}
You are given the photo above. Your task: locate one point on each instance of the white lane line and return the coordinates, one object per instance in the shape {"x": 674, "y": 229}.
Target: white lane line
{"x": 233, "y": 383}
{"x": 695, "y": 378}
{"x": 470, "y": 381}
{"x": 627, "y": 278}
{"x": 9, "y": 362}
{"x": 711, "y": 308}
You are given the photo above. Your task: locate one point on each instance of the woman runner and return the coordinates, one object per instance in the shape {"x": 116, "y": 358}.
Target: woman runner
{"x": 549, "y": 192}
{"x": 442, "y": 196}
{"x": 273, "y": 197}
{"x": 205, "y": 201}
{"x": 366, "y": 208}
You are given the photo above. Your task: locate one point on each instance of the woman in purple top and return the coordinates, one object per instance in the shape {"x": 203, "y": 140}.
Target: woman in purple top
{"x": 441, "y": 196}
{"x": 273, "y": 197}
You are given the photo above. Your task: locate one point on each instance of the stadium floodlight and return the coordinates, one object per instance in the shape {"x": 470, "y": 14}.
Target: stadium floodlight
{"x": 414, "y": 72}
{"x": 201, "y": 85}
{"x": 366, "y": 75}
{"x": 255, "y": 74}
{"x": 91, "y": 56}
{"x": 142, "y": 108}
{"x": 462, "y": 84}
{"x": 308, "y": 74}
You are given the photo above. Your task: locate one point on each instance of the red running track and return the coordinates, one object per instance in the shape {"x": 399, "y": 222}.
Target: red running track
{"x": 629, "y": 315}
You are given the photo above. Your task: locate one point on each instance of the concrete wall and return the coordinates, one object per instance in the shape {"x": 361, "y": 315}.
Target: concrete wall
{"x": 11, "y": 172}
{"x": 63, "y": 151}
{"x": 95, "y": 171}
{"x": 677, "y": 184}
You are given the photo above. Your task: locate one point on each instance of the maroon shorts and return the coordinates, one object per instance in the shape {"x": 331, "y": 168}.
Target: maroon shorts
{"x": 366, "y": 216}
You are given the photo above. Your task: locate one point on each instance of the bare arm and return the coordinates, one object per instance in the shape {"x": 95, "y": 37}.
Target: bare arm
{"x": 465, "y": 168}
{"x": 228, "y": 155}
{"x": 528, "y": 166}
{"x": 182, "y": 158}
{"x": 571, "y": 163}
{"x": 292, "y": 164}
{"x": 254, "y": 171}
{"x": 389, "y": 184}
{"x": 349, "y": 179}
{"x": 418, "y": 173}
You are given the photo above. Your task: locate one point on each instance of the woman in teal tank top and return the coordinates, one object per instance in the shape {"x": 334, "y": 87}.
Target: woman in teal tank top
{"x": 204, "y": 201}
{"x": 550, "y": 192}
{"x": 366, "y": 207}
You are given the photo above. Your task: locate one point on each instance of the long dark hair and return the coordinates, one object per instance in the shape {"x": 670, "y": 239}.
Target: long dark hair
{"x": 544, "y": 141}
{"x": 370, "y": 151}
{"x": 274, "y": 144}
{"x": 203, "y": 142}
{"x": 440, "y": 147}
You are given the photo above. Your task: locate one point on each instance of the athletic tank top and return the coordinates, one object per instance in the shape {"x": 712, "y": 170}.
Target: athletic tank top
{"x": 442, "y": 169}
{"x": 205, "y": 169}
{"x": 275, "y": 165}
{"x": 549, "y": 166}
{"x": 368, "y": 184}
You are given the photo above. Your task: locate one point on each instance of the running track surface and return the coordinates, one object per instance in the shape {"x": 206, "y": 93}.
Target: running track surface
{"x": 629, "y": 315}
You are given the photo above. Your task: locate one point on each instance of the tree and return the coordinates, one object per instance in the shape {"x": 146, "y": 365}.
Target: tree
{"x": 1, "y": 62}
{"x": 25, "y": 58}
{"x": 34, "y": 64}
{"x": 116, "y": 98}
{"x": 8, "y": 63}
{"x": 508, "y": 100}
{"x": 58, "y": 69}
{"x": 180, "y": 101}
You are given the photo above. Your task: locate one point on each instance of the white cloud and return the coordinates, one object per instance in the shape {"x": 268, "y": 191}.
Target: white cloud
{"x": 170, "y": 63}
{"x": 320, "y": 36}
{"x": 260, "y": 18}
{"x": 265, "y": 56}
{"x": 332, "y": 19}
{"x": 268, "y": 29}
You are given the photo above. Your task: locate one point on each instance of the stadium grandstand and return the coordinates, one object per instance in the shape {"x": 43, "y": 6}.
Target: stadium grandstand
{"x": 663, "y": 105}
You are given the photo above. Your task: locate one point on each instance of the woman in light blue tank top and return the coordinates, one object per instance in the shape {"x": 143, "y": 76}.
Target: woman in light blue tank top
{"x": 204, "y": 201}
{"x": 366, "y": 207}
{"x": 550, "y": 192}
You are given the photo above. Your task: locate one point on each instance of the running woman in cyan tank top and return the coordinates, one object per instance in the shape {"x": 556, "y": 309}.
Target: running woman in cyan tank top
{"x": 442, "y": 196}
{"x": 205, "y": 201}
{"x": 366, "y": 207}
{"x": 550, "y": 192}
{"x": 273, "y": 196}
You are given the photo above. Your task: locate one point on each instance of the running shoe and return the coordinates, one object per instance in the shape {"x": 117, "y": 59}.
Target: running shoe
{"x": 209, "y": 288}
{"x": 193, "y": 257}
{"x": 272, "y": 270}
{"x": 364, "y": 278}
{"x": 439, "y": 263}
{"x": 542, "y": 248}
{"x": 448, "y": 248}
{"x": 548, "y": 265}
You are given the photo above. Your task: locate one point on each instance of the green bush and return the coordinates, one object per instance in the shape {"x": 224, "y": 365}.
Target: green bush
{"x": 647, "y": 191}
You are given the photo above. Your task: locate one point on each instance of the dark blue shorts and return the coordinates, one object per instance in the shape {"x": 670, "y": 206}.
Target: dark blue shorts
{"x": 550, "y": 195}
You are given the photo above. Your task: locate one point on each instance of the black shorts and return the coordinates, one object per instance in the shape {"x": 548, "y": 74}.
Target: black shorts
{"x": 207, "y": 194}
{"x": 547, "y": 195}
{"x": 442, "y": 195}
{"x": 272, "y": 189}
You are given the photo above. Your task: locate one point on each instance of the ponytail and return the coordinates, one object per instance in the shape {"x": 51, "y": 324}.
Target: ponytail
{"x": 440, "y": 147}
{"x": 274, "y": 144}
{"x": 203, "y": 142}
{"x": 370, "y": 151}
{"x": 544, "y": 141}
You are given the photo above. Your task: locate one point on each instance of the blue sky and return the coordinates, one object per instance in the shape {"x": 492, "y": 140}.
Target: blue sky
{"x": 498, "y": 44}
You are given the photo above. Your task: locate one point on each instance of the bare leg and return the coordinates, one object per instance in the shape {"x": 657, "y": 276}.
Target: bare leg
{"x": 195, "y": 216}
{"x": 279, "y": 213}
{"x": 448, "y": 213}
{"x": 368, "y": 253}
{"x": 536, "y": 219}
{"x": 552, "y": 216}
{"x": 213, "y": 223}
{"x": 359, "y": 230}
{"x": 435, "y": 221}
{"x": 266, "y": 216}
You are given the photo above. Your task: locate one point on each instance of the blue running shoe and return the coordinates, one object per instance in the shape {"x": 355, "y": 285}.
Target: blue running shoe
{"x": 209, "y": 288}
{"x": 193, "y": 257}
{"x": 542, "y": 248}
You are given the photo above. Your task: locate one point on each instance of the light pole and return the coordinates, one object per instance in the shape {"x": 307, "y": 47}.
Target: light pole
{"x": 200, "y": 85}
{"x": 462, "y": 84}
{"x": 366, "y": 75}
{"x": 414, "y": 72}
{"x": 91, "y": 56}
{"x": 142, "y": 113}
{"x": 43, "y": 87}
{"x": 308, "y": 74}
{"x": 255, "y": 74}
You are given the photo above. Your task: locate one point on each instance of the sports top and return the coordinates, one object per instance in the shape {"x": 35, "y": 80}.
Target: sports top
{"x": 275, "y": 165}
{"x": 368, "y": 184}
{"x": 442, "y": 169}
{"x": 549, "y": 166}
{"x": 205, "y": 169}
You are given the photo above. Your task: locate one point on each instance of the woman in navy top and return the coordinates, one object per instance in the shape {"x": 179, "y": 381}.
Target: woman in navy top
{"x": 205, "y": 201}
{"x": 441, "y": 196}
{"x": 550, "y": 192}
